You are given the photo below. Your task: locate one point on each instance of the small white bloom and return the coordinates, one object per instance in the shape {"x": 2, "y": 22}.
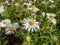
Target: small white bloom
{"x": 1, "y": 9}
{"x": 50, "y": 15}
{"x": 32, "y": 1}
{"x": 51, "y": 1}
{"x": 43, "y": 13}
{"x": 5, "y": 22}
{"x": 30, "y": 24}
{"x": 6, "y": 2}
{"x": 53, "y": 20}
{"x": 43, "y": 2}
{"x": 16, "y": 4}
{"x": 7, "y": 31}
{"x": 27, "y": 4}
{"x": 11, "y": 27}
{"x": 52, "y": 6}
{"x": 33, "y": 8}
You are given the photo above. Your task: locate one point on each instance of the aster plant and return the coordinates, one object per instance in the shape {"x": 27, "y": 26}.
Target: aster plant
{"x": 29, "y": 22}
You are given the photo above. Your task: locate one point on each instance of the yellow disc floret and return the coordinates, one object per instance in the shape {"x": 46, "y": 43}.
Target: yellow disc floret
{"x": 31, "y": 22}
{"x": 33, "y": 6}
{"x": 12, "y": 28}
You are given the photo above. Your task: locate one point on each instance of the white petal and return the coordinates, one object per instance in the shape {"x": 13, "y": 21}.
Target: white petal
{"x": 35, "y": 9}
{"x": 8, "y": 21}
{"x": 7, "y": 29}
{"x": 54, "y": 21}
{"x": 48, "y": 14}
{"x": 9, "y": 25}
{"x": 54, "y": 15}
{"x": 2, "y": 25}
{"x": 32, "y": 29}
{"x": 36, "y": 26}
{"x": 1, "y": 9}
{"x": 26, "y": 24}
{"x": 29, "y": 28}
{"x": 9, "y": 32}
{"x": 36, "y": 22}
{"x": 26, "y": 27}
{"x": 29, "y": 8}
{"x": 16, "y": 25}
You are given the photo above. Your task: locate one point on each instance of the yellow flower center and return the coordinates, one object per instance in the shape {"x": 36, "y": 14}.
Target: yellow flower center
{"x": 28, "y": 38}
{"x": 31, "y": 22}
{"x": 33, "y": 6}
{"x": 52, "y": 18}
{"x": 12, "y": 28}
{"x": 51, "y": 14}
{"x": 5, "y": 22}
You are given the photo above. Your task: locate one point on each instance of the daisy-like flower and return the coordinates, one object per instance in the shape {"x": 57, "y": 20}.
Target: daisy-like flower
{"x": 51, "y": 1}
{"x": 52, "y": 6}
{"x": 5, "y": 22}
{"x": 16, "y": 4}
{"x": 26, "y": 5}
{"x": 30, "y": 24}
{"x": 7, "y": 2}
{"x": 11, "y": 28}
{"x": 44, "y": 2}
{"x": 34, "y": 8}
{"x": 1, "y": 9}
{"x": 53, "y": 20}
{"x": 50, "y": 15}
{"x": 43, "y": 13}
{"x": 32, "y": 1}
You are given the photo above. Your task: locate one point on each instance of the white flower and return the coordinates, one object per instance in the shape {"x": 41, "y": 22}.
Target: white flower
{"x": 1, "y": 9}
{"x": 32, "y": 1}
{"x": 27, "y": 4}
{"x": 51, "y": 1}
{"x": 53, "y": 20}
{"x": 16, "y": 4}
{"x": 52, "y": 6}
{"x": 11, "y": 28}
{"x": 43, "y": 13}
{"x": 33, "y": 8}
{"x": 7, "y": 31}
{"x": 43, "y": 2}
{"x": 30, "y": 24}
{"x": 50, "y": 15}
{"x": 5, "y": 22}
{"x": 6, "y": 1}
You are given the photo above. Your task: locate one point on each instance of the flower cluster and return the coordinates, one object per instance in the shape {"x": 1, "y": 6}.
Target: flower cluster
{"x": 51, "y": 16}
{"x": 9, "y": 28}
